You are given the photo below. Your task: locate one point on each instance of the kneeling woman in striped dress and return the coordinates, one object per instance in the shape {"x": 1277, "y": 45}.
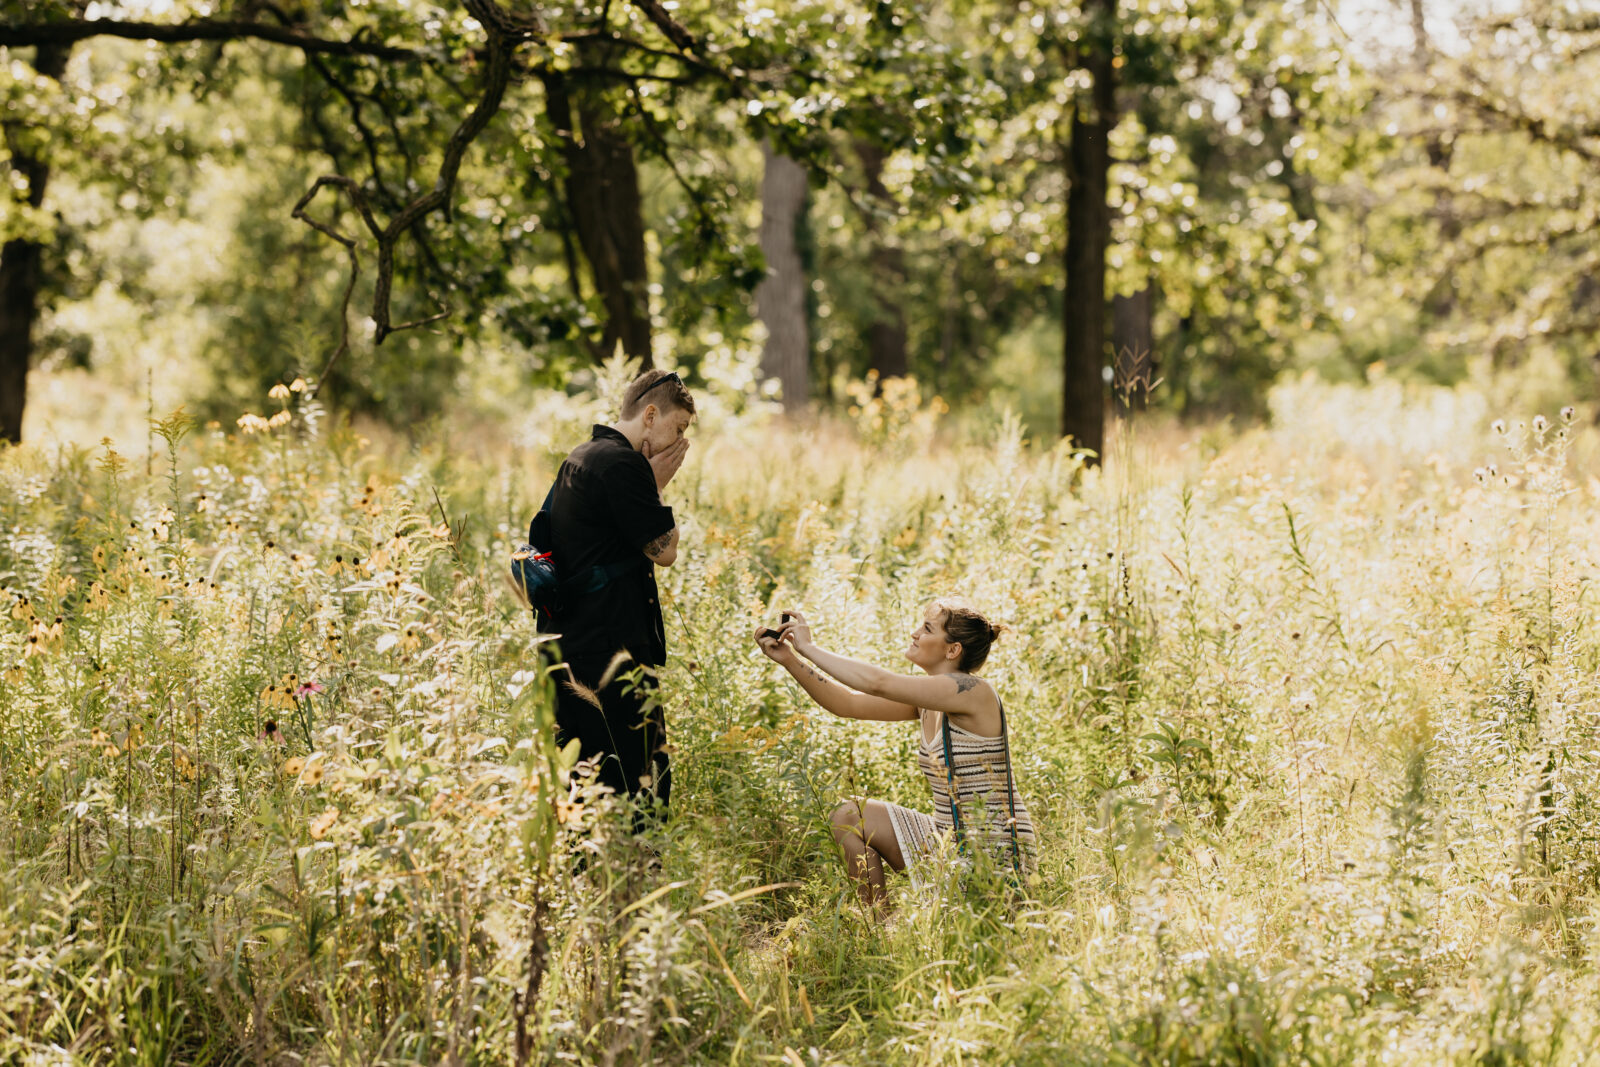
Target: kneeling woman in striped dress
{"x": 964, "y": 744}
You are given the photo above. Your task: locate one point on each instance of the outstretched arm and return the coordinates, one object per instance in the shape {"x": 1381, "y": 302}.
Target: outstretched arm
{"x": 843, "y": 702}
{"x": 958, "y": 694}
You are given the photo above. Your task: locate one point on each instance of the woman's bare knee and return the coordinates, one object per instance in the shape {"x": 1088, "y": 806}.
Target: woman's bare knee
{"x": 847, "y": 820}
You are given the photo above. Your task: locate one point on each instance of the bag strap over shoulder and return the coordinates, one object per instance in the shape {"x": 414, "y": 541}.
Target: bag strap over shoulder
{"x": 950, "y": 774}
{"x": 1011, "y": 789}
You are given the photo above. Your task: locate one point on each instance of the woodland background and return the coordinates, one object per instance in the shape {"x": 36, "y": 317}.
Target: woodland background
{"x": 994, "y": 198}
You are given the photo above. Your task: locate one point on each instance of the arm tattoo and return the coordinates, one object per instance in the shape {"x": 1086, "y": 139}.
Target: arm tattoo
{"x": 659, "y": 545}
{"x": 812, "y": 671}
{"x": 965, "y": 682}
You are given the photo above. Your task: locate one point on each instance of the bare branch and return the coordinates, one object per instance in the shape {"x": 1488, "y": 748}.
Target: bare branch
{"x": 299, "y": 212}
{"x": 368, "y": 138}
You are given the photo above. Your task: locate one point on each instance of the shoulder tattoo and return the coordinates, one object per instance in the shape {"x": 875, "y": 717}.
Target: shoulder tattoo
{"x": 965, "y": 682}
{"x": 659, "y": 545}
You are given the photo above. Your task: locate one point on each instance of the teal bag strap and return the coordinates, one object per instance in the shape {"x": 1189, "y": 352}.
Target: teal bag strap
{"x": 1011, "y": 789}
{"x": 950, "y": 773}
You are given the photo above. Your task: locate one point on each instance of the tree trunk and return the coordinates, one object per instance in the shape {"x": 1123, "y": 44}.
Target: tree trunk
{"x": 1440, "y": 300}
{"x": 1439, "y": 150}
{"x": 1083, "y": 403}
{"x": 21, "y": 264}
{"x": 886, "y": 335}
{"x": 1133, "y": 345}
{"x": 602, "y": 194}
{"x": 781, "y": 296}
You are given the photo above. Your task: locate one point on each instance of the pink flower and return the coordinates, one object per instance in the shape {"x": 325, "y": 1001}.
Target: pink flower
{"x": 308, "y": 688}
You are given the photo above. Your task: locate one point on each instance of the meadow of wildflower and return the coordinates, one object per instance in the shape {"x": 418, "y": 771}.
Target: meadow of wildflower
{"x": 1306, "y": 716}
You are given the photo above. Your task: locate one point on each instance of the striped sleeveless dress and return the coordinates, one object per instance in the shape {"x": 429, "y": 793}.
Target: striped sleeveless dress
{"x": 980, "y": 775}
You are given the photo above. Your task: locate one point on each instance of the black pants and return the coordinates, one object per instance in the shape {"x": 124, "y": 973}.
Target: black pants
{"x": 626, "y": 734}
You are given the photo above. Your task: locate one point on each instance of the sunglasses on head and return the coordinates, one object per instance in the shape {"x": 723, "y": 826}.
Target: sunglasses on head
{"x": 670, "y": 376}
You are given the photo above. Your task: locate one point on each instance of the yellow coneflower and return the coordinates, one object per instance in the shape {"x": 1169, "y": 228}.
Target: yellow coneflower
{"x": 279, "y": 392}
{"x": 250, "y": 423}
{"x": 14, "y": 674}
{"x": 275, "y": 697}
{"x": 298, "y": 385}
{"x": 323, "y": 823}
{"x": 411, "y": 641}
{"x": 23, "y": 609}
{"x": 292, "y": 766}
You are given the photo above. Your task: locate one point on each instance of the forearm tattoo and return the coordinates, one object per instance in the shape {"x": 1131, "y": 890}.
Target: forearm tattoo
{"x": 659, "y": 545}
{"x": 809, "y": 669}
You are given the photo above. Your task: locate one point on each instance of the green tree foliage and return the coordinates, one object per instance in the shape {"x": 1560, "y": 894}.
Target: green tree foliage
{"x": 1486, "y": 162}
{"x": 1271, "y": 201}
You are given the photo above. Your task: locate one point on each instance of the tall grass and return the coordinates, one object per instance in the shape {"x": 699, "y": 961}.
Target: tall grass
{"x": 1306, "y": 718}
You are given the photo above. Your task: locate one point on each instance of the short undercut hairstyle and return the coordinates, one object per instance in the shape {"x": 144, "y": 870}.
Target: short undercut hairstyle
{"x": 663, "y": 388}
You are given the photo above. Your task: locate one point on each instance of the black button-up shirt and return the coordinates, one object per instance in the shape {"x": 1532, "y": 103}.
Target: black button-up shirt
{"x": 606, "y": 508}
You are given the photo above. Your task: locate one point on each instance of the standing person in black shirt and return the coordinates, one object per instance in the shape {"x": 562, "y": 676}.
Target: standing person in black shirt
{"x": 607, "y": 519}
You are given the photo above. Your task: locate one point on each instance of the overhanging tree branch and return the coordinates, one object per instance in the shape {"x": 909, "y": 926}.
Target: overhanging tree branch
{"x": 1492, "y": 107}
{"x": 505, "y": 33}
{"x": 504, "y": 30}
{"x": 25, "y": 34}
{"x": 691, "y": 49}
{"x": 1548, "y": 22}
